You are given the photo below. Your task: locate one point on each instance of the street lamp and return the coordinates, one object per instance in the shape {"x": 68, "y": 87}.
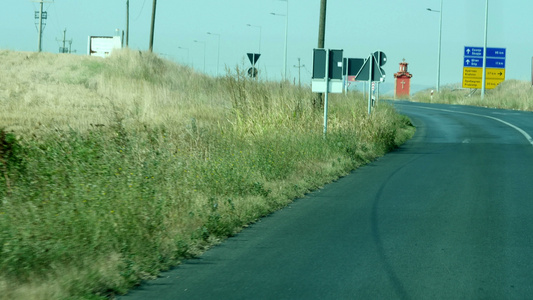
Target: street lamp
{"x": 250, "y": 25}
{"x": 286, "y": 34}
{"x": 218, "y": 48}
{"x": 440, "y": 40}
{"x": 202, "y": 42}
{"x": 187, "y": 53}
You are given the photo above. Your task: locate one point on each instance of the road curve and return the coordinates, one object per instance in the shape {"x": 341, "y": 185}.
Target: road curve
{"x": 449, "y": 215}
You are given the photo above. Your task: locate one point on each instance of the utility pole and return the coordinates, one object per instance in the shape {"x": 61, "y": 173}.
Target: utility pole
{"x": 127, "y": 22}
{"x": 321, "y": 41}
{"x": 299, "y": 66}
{"x": 41, "y": 16}
{"x": 64, "y": 38}
{"x": 40, "y": 27}
{"x": 151, "y": 48}
{"x": 64, "y": 48}
{"x": 322, "y": 24}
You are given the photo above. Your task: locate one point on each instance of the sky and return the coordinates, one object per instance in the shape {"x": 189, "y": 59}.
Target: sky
{"x": 401, "y": 29}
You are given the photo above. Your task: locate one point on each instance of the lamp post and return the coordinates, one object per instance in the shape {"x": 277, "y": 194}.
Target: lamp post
{"x": 182, "y": 48}
{"x": 484, "y": 78}
{"x": 202, "y": 42}
{"x": 286, "y": 35}
{"x": 440, "y": 40}
{"x": 218, "y": 48}
{"x": 250, "y": 25}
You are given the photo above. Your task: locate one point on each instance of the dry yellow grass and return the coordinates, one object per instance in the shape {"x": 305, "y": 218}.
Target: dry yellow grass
{"x": 510, "y": 94}
{"x": 33, "y": 93}
{"x": 68, "y": 91}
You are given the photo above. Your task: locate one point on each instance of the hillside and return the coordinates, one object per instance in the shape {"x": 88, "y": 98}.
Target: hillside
{"x": 510, "y": 94}
{"x": 114, "y": 169}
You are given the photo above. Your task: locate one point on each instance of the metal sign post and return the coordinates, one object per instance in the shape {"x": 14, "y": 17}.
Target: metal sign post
{"x": 370, "y": 75}
{"x": 377, "y": 92}
{"x": 345, "y": 64}
{"x": 371, "y": 71}
{"x": 326, "y": 96}
{"x": 327, "y": 76}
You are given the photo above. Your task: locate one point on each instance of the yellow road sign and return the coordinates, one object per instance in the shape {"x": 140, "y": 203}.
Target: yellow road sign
{"x": 492, "y": 83}
{"x": 478, "y": 73}
{"x": 476, "y": 83}
{"x": 472, "y": 72}
{"x": 495, "y": 73}
{"x": 473, "y": 77}
{"x": 472, "y": 83}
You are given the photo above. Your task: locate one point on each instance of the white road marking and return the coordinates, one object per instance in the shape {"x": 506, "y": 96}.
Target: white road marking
{"x": 525, "y": 134}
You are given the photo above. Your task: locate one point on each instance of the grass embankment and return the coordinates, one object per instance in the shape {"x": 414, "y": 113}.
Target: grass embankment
{"x": 114, "y": 169}
{"x": 510, "y": 94}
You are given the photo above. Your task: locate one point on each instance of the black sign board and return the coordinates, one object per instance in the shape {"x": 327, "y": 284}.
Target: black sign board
{"x": 354, "y": 65}
{"x": 378, "y": 73}
{"x": 319, "y": 63}
{"x": 335, "y": 64}
{"x": 253, "y": 57}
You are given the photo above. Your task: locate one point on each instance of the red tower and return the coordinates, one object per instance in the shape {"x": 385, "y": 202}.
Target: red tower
{"x": 402, "y": 89}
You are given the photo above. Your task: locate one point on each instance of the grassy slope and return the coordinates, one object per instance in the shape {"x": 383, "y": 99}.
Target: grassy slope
{"x": 510, "y": 94}
{"x": 112, "y": 170}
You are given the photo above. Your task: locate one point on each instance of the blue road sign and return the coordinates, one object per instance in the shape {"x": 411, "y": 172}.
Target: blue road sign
{"x": 473, "y": 62}
{"x": 496, "y": 52}
{"x": 474, "y": 51}
{"x": 495, "y": 62}
{"x": 478, "y": 52}
{"x": 473, "y": 57}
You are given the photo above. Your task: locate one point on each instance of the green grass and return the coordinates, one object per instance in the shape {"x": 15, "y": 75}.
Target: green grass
{"x": 113, "y": 170}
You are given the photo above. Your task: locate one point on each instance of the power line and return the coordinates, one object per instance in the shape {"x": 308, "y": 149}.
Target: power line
{"x": 140, "y": 12}
{"x": 56, "y": 17}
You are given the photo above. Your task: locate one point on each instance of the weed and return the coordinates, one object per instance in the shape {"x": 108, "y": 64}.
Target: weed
{"x": 11, "y": 160}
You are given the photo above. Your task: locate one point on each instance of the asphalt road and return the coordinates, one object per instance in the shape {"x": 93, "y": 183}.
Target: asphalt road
{"x": 449, "y": 215}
